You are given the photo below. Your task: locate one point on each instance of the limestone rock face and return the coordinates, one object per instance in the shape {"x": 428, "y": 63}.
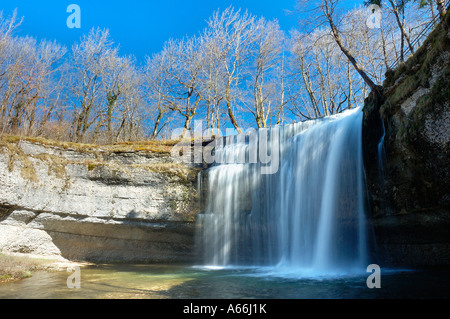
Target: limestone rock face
{"x": 96, "y": 205}
{"x": 407, "y": 157}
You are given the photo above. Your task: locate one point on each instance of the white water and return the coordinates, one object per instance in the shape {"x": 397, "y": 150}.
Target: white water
{"x": 304, "y": 214}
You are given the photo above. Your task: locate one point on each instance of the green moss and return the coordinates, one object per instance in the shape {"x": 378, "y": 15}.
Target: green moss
{"x": 403, "y": 91}
{"x": 418, "y": 66}
{"x": 92, "y": 166}
{"x": 10, "y": 138}
{"x": 411, "y": 128}
{"x": 416, "y": 72}
{"x": 173, "y": 205}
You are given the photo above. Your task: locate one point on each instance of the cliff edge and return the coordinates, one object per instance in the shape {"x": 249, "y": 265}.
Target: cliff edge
{"x": 91, "y": 203}
{"x": 406, "y": 135}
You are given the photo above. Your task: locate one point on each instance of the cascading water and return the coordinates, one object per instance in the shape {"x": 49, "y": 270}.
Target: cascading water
{"x": 300, "y": 205}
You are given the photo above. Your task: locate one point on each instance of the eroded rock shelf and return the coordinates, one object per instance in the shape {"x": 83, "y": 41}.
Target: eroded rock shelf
{"x": 96, "y": 206}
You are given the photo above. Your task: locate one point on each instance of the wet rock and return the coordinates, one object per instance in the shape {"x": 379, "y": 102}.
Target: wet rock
{"x": 409, "y": 187}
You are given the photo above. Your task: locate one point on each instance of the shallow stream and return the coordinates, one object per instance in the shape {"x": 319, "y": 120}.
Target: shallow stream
{"x": 190, "y": 282}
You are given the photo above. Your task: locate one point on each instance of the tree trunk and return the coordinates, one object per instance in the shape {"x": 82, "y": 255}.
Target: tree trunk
{"x": 350, "y": 88}
{"x": 155, "y": 128}
{"x": 401, "y": 25}
{"x": 15, "y": 121}
{"x": 217, "y": 115}
{"x": 306, "y": 80}
{"x": 232, "y": 118}
{"x": 282, "y": 92}
{"x": 386, "y": 58}
{"x": 349, "y": 56}
{"x": 187, "y": 125}
{"x": 109, "y": 125}
{"x": 402, "y": 45}
{"x": 82, "y": 123}
{"x": 230, "y": 110}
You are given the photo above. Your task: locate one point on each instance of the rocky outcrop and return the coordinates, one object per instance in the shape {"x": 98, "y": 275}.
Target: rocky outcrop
{"x": 407, "y": 157}
{"x": 96, "y": 205}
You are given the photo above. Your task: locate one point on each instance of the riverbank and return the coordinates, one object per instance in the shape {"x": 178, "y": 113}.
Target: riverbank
{"x": 15, "y": 267}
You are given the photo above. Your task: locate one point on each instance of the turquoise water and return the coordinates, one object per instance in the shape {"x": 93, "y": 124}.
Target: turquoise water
{"x": 187, "y": 282}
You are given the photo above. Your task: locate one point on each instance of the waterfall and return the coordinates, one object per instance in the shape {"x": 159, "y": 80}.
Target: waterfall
{"x": 288, "y": 196}
{"x": 381, "y": 158}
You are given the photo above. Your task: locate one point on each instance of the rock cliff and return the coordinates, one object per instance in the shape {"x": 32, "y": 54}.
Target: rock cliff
{"x": 88, "y": 203}
{"x": 406, "y": 138}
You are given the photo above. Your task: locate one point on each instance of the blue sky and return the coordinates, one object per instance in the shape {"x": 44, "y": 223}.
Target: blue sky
{"x": 140, "y": 26}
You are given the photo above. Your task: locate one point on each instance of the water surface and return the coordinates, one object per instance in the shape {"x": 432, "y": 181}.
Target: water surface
{"x": 187, "y": 282}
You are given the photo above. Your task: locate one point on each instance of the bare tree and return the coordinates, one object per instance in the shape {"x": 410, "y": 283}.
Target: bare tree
{"x": 7, "y": 27}
{"x": 234, "y": 33}
{"x": 29, "y": 69}
{"x": 323, "y": 73}
{"x": 326, "y": 13}
{"x": 280, "y": 88}
{"x": 156, "y": 84}
{"x": 120, "y": 83}
{"x": 29, "y": 79}
{"x": 397, "y": 8}
{"x": 237, "y": 68}
{"x": 440, "y": 5}
{"x": 89, "y": 59}
{"x": 185, "y": 65}
{"x": 17, "y": 82}
{"x": 267, "y": 55}
{"x": 47, "y": 67}
{"x": 214, "y": 84}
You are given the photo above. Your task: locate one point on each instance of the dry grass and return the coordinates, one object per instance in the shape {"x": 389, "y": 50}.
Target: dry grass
{"x": 6, "y": 138}
{"x": 16, "y": 154}
{"x": 153, "y": 146}
{"x": 17, "y": 267}
{"x": 57, "y": 164}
